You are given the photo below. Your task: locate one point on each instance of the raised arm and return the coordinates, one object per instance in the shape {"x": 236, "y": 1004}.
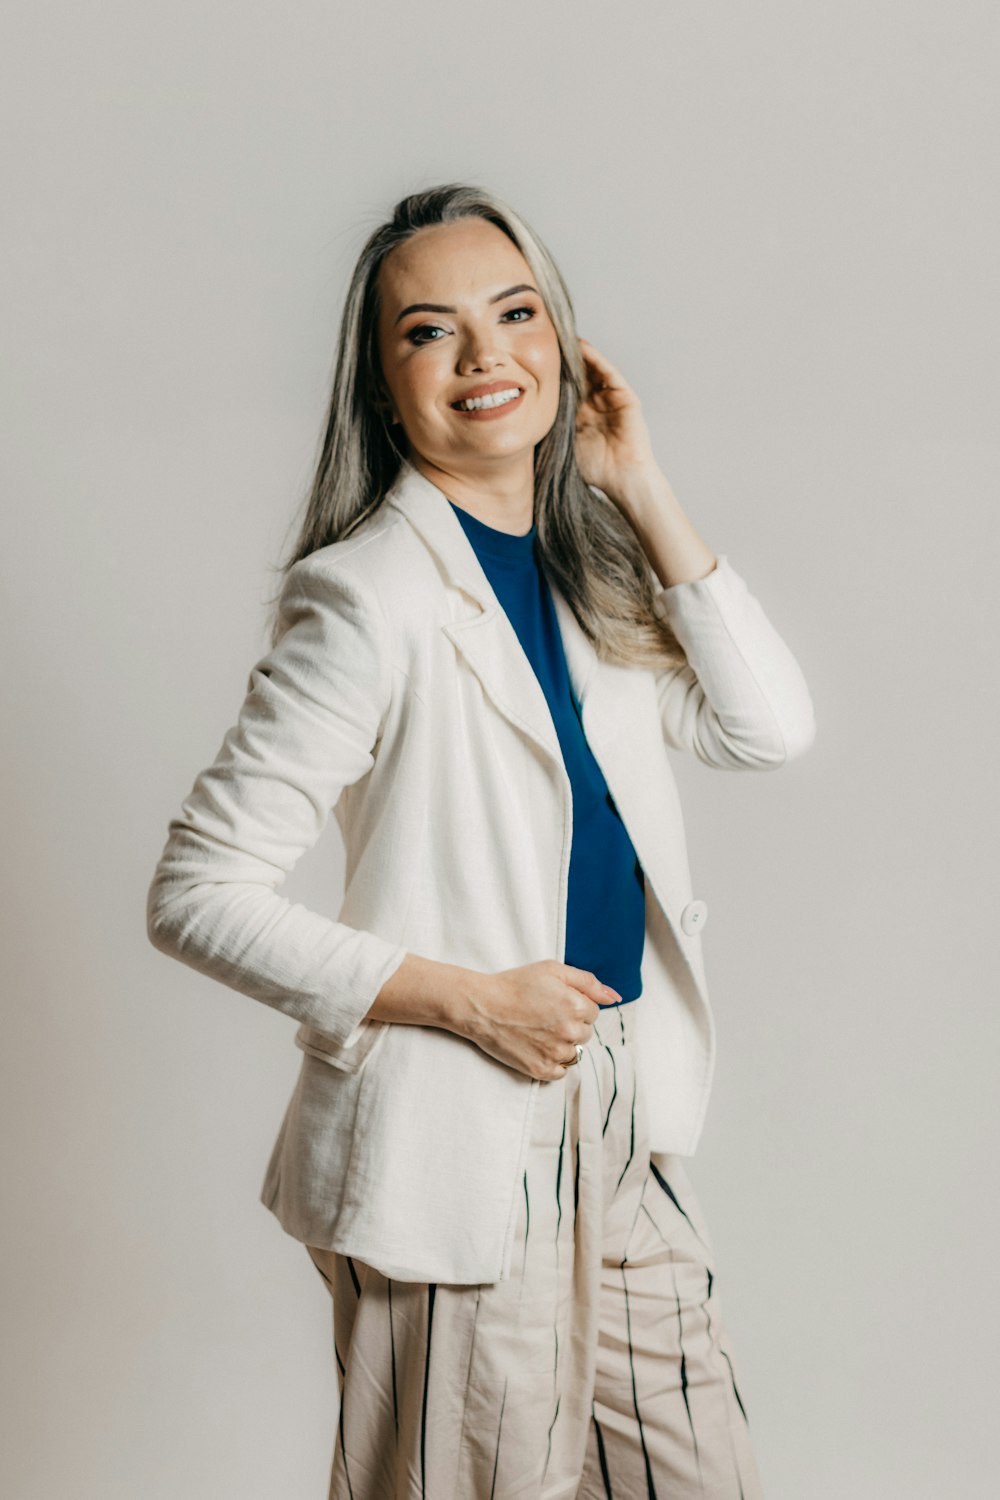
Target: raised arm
{"x": 741, "y": 703}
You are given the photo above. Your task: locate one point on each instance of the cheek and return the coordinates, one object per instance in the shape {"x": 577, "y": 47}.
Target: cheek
{"x": 428, "y": 384}
{"x": 544, "y": 357}
{"x": 415, "y": 390}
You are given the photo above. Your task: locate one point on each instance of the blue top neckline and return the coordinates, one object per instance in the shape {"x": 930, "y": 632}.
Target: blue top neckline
{"x": 505, "y": 546}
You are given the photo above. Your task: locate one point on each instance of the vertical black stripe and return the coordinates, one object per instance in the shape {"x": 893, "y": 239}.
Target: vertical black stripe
{"x": 708, "y": 1332}
{"x": 576, "y": 1180}
{"x": 354, "y": 1275}
{"x": 340, "y": 1422}
{"x": 555, "y": 1322}
{"x": 548, "y": 1449}
{"x": 732, "y": 1454}
{"x": 614, "y": 1093}
{"x": 650, "y": 1486}
{"x": 735, "y": 1391}
{"x": 323, "y": 1274}
{"x": 527, "y": 1230}
{"x": 559, "y": 1162}
{"x": 684, "y": 1379}
{"x": 496, "y": 1456}
{"x": 709, "y": 1282}
{"x": 631, "y": 1149}
{"x": 732, "y": 1440}
{"x": 665, "y": 1185}
{"x": 432, "y": 1288}
{"x": 392, "y": 1344}
{"x": 602, "y": 1456}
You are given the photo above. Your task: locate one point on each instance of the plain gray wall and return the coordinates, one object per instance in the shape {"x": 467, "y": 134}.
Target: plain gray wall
{"x": 780, "y": 221}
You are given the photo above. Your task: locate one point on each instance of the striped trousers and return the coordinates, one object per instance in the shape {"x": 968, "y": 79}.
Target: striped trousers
{"x": 600, "y": 1370}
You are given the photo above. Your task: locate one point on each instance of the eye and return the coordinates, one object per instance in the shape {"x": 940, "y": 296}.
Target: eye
{"x": 415, "y": 334}
{"x": 424, "y": 328}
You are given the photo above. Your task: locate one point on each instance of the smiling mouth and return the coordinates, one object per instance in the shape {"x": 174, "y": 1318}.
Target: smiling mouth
{"x": 487, "y": 403}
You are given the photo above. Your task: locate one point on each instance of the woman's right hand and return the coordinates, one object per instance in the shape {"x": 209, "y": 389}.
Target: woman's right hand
{"x": 532, "y": 1017}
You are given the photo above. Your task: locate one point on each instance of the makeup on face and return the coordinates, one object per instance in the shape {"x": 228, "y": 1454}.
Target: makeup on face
{"x": 467, "y": 340}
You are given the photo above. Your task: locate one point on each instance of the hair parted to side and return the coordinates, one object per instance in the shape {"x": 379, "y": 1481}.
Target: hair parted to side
{"x": 585, "y": 544}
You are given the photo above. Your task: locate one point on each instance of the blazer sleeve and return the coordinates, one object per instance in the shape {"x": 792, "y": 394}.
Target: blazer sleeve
{"x": 308, "y": 727}
{"x": 741, "y": 702}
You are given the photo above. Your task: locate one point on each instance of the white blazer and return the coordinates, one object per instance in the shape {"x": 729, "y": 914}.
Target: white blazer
{"x": 399, "y": 696}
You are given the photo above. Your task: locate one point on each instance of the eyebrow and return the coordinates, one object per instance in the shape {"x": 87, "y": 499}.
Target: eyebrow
{"x": 440, "y": 306}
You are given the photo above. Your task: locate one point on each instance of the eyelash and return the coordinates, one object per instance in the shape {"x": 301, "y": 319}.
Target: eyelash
{"x": 422, "y": 326}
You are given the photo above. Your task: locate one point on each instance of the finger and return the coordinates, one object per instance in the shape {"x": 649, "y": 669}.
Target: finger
{"x": 609, "y": 373}
{"x": 608, "y": 382}
{"x": 588, "y": 982}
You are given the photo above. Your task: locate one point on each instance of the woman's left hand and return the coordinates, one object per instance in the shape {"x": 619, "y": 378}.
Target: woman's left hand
{"x": 613, "y": 447}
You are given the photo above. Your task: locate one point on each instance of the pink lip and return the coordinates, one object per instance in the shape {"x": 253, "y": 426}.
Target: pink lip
{"x": 489, "y": 413}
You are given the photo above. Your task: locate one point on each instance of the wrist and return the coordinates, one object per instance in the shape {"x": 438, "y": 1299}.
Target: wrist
{"x": 463, "y": 1000}
{"x": 675, "y": 550}
{"x": 425, "y": 992}
{"x": 642, "y": 493}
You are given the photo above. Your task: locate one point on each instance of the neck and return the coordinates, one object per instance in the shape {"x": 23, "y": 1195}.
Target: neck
{"x": 502, "y": 496}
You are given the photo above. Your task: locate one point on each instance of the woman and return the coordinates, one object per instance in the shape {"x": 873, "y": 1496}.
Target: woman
{"x": 496, "y": 623}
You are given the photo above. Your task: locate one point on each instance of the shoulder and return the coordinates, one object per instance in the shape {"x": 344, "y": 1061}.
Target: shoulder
{"x": 382, "y": 566}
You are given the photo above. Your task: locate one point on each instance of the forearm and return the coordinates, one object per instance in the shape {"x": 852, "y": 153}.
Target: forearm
{"x": 676, "y": 551}
{"x": 423, "y": 992}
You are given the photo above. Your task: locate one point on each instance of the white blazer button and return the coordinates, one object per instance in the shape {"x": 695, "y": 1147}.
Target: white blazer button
{"x": 694, "y": 916}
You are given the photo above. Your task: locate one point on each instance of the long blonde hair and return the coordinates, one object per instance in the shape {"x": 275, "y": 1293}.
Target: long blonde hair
{"x": 584, "y": 542}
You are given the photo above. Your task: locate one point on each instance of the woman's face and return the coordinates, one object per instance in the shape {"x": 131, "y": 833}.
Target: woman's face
{"x": 486, "y": 326}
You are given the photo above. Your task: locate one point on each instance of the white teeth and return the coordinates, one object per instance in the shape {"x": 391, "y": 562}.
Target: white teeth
{"x": 496, "y": 398}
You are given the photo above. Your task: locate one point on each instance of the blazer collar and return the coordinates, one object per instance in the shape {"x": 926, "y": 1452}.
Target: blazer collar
{"x": 485, "y": 635}
{"x": 429, "y": 511}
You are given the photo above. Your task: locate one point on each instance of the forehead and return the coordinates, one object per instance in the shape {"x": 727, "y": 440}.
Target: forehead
{"x": 447, "y": 261}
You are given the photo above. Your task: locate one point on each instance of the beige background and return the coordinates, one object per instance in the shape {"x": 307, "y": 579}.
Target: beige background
{"x": 780, "y": 221}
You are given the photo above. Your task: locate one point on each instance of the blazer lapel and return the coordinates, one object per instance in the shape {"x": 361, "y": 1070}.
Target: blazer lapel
{"x": 481, "y": 632}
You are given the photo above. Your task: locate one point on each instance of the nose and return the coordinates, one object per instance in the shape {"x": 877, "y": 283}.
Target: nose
{"x": 479, "y": 350}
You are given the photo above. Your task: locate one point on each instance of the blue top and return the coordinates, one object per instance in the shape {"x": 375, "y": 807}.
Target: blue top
{"x": 606, "y": 911}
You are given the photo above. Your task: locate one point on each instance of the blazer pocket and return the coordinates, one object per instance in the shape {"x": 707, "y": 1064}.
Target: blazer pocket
{"x": 348, "y": 1059}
